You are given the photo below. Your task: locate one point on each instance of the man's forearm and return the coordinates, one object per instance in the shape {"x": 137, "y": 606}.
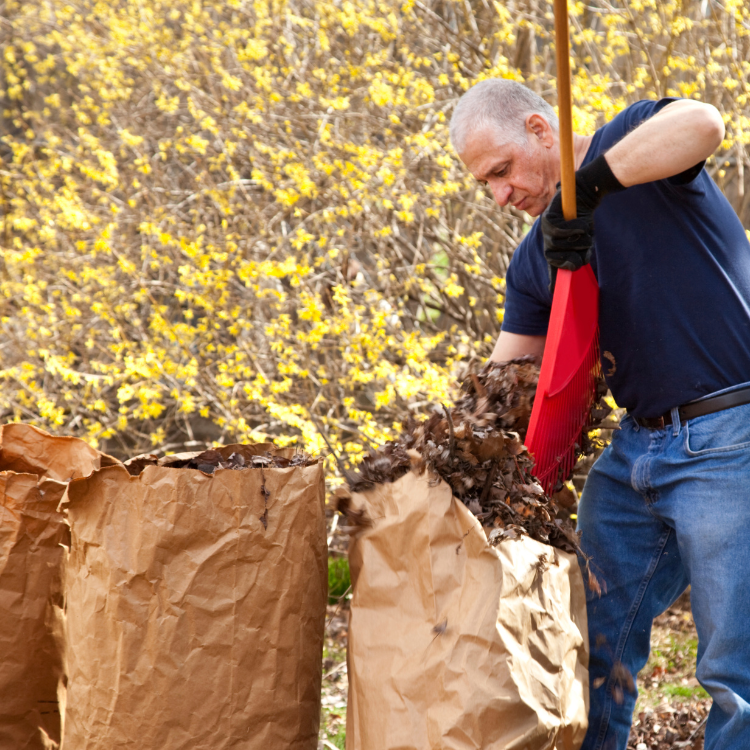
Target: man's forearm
{"x": 683, "y": 134}
{"x": 512, "y": 345}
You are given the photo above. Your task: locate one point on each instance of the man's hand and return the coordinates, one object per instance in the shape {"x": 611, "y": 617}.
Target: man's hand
{"x": 569, "y": 244}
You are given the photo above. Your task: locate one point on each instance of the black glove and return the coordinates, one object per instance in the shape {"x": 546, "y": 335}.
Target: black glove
{"x": 569, "y": 244}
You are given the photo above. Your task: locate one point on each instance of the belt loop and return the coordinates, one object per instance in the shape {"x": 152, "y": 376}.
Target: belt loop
{"x": 676, "y": 424}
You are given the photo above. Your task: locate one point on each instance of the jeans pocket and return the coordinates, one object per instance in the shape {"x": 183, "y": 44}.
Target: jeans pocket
{"x": 720, "y": 432}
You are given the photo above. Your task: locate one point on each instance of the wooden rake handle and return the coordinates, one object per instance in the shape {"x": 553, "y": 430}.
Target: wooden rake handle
{"x": 565, "y": 113}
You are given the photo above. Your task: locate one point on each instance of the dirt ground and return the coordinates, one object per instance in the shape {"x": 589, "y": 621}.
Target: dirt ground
{"x": 671, "y": 708}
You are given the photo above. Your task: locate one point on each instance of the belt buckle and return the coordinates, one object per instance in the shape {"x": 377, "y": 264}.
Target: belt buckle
{"x": 659, "y": 423}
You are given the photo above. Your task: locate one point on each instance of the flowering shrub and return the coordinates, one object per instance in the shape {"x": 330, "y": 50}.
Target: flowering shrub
{"x": 225, "y": 219}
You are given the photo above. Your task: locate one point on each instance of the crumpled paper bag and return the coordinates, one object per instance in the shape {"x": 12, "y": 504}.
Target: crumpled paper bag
{"x": 29, "y": 450}
{"x": 34, "y": 467}
{"x": 455, "y": 644}
{"x": 190, "y": 625}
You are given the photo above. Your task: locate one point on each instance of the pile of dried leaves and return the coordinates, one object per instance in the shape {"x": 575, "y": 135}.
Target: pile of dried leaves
{"x": 679, "y": 726}
{"x": 477, "y": 448}
{"x": 228, "y": 457}
{"x": 503, "y": 391}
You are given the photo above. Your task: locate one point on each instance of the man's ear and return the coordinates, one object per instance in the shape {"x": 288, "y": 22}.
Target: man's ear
{"x": 537, "y": 126}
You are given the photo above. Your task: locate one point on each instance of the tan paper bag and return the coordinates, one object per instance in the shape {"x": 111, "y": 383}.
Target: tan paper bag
{"x": 31, "y": 568}
{"x": 455, "y": 644}
{"x": 191, "y": 625}
{"x": 29, "y": 450}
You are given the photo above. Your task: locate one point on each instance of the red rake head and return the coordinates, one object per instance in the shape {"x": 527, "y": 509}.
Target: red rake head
{"x": 568, "y": 378}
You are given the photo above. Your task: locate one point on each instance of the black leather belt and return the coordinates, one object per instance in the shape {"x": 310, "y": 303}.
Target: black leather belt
{"x": 698, "y": 409}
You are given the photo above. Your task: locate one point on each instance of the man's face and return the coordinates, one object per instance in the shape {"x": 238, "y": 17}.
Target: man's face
{"x": 524, "y": 177}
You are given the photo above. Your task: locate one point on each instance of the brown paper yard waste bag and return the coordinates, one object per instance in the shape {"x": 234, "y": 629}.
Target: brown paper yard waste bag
{"x": 196, "y": 606}
{"x": 34, "y": 467}
{"x": 456, "y": 644}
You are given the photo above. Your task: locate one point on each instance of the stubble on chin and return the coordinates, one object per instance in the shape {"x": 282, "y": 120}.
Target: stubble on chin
{"x": 537, "y": 207}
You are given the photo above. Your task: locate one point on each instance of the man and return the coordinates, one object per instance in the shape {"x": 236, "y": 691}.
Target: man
{"x": 668, "y": 502}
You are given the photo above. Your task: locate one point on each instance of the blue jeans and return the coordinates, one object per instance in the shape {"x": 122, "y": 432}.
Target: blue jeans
{"x": 662, "y": 509}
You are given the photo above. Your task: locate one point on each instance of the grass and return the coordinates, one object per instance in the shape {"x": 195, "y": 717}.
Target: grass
{"x": 685, "y": 692}
{"x": 339, "y": 579}
{"x": 339, "y": 738}
{"x": 333, "y": 717}
{"x": 669, "y": 675}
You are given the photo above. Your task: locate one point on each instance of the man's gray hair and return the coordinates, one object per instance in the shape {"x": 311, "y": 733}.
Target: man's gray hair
{"x": 501, "y": 104}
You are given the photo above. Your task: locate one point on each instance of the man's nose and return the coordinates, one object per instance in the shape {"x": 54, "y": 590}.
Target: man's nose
{"x": 501, "y": 191}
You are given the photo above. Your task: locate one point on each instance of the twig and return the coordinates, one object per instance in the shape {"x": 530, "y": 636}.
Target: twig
{"x": 452, "y": 443}
{"x": 339, "y": 462}
{"x": 341, "y": 665}
{"x": 689, "y": 741}
{"x": 488, "y": 484}
{"x": 338, "y": 606}
{"x": 334, "y": 524}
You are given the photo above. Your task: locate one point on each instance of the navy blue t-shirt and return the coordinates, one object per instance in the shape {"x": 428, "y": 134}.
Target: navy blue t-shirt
{"x": 673, "y": 264}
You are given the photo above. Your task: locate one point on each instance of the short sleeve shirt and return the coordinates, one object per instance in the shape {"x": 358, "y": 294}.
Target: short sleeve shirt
{"x": 673, "y": 265}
